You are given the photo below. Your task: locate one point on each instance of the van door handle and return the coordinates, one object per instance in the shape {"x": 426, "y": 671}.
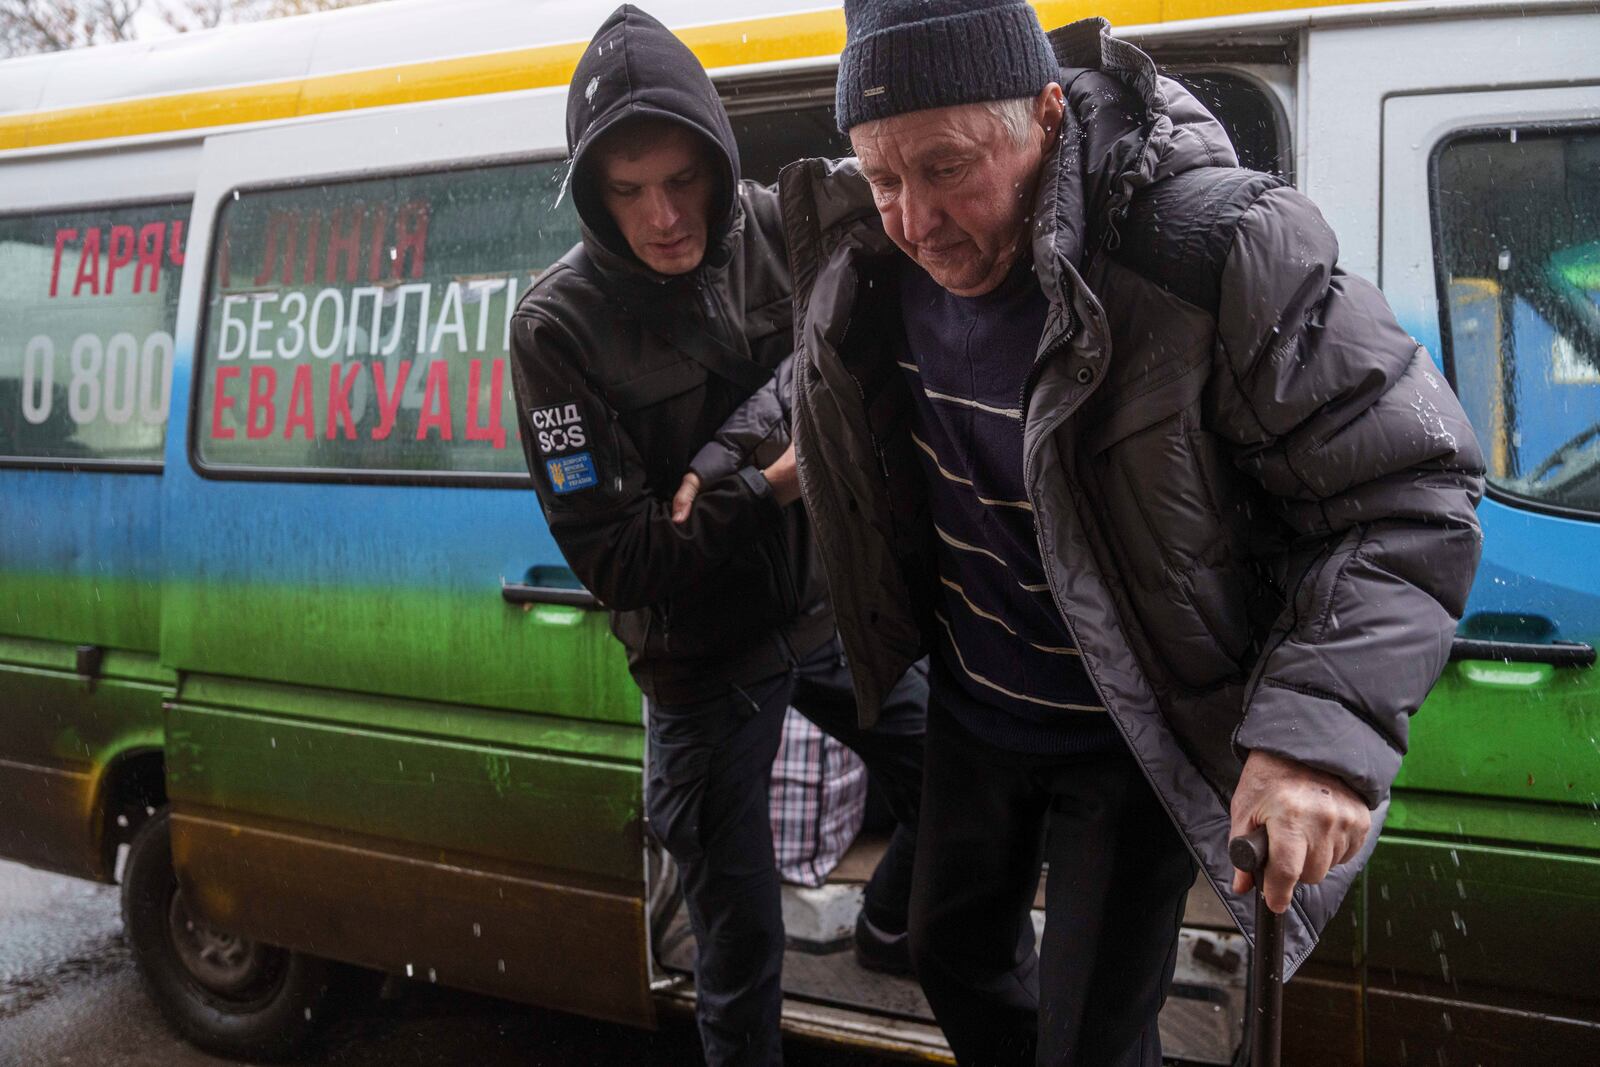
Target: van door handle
{"x": 566, "y": 596}
{"x": 1555, "y": 653}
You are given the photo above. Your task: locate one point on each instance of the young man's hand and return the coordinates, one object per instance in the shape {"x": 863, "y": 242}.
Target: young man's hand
{"x": 784, "y": 477}
{"x": 1314, "y": 822}
{"x": 683, "y": 499}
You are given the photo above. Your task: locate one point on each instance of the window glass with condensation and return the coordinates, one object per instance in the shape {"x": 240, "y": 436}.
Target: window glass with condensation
{"x": 364, "y": 326}
{"x": 1518, "y": 229}
{"x": 88, "y": 298}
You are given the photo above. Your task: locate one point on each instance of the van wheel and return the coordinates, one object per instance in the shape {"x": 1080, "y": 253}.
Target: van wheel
{"x": 227, "y": 994}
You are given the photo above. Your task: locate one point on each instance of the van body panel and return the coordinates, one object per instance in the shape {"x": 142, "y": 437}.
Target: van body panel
{"x": 80, "y": 561}
{"x": 63, "y": 731}
{"x": 1481, "y": 894}
{"x": 1322, "y": 1017}
{"x": 349, "y": 59}
{"x": 383, "y": 589}
{"x": 1351, "y": 70}
{"x": 504, "y": 801}
{"x": 80, "y": 557}
{"x": 1519, "y": 732}
{"x": 1468, "y": 919}
{"x": 444, "y": 916}
{"x": 371, "y": 750}
{"x": 1410, "y": 1030}
{"x": 80, "y": 541}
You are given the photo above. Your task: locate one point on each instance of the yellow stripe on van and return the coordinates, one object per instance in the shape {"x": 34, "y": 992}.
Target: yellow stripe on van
{"x": 761, "y": 40}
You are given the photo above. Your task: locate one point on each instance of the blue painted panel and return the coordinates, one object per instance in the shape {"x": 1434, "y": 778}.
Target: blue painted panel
{"x": 80, "y": 557}
{"x": 1542, "y": 565}
{"x": 405, "y": 536}
{"x": 85, "y": 523}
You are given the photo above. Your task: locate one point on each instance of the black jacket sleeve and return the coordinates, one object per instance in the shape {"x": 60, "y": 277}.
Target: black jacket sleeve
{"x": 755, "y": 435}
{"x": 1347, "y": 423}
{"x": 617, "y": 537}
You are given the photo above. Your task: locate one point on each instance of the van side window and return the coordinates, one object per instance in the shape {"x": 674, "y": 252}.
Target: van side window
{"x": 1517, "y": 237}
{"x": 88, "y": 301}
{"x": 363, "y": 327}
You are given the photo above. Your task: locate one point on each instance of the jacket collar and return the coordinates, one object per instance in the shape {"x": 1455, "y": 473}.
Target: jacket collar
{"x": 1126, "y": 127}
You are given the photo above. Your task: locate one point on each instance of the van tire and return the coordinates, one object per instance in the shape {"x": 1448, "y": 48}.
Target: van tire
{"x": 227, "y": 995}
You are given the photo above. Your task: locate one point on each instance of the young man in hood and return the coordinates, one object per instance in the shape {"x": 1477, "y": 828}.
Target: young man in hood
{"x": 1184, "y": 517}
{"x": 626, "y": 357}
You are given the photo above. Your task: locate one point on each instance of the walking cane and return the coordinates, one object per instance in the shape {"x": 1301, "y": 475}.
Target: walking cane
{"x": 1249, "y": 854}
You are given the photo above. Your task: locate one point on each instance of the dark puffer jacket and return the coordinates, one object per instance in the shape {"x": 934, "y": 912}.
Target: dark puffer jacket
{"x": 622, "y": 374}
{"x": 1254, "y": 493}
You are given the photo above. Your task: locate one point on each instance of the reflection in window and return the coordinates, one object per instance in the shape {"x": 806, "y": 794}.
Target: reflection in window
{"x": 1518, "y": 216}
{"x": 87, "y": 304}
{"x": 365, "y": 325}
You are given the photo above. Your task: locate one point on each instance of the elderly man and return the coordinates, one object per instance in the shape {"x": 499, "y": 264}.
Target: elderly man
{"x": 626, "y": 356}
{"x": 1185, "y": 518}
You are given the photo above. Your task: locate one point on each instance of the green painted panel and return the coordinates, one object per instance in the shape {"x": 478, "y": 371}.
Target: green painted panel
{"x": 81, "y": 609}
{"x": 1478, "y": 923}
{"x": 1517, "y": 731}
{"x": 54, "y": 718}
{"x": 448, "y": 645}
{"x": 470, "y": 725}
{"x": 504, "y": 799}
{"x": 1491, "y": 820}
{"x": 62, "y": 658}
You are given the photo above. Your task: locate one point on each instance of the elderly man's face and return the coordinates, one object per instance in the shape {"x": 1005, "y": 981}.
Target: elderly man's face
{"x": 955, "y": 187}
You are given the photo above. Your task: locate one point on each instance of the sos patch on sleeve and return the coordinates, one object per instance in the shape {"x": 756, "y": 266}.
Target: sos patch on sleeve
{"x": 568, "y": 474}
{"x": 558, "y": 429}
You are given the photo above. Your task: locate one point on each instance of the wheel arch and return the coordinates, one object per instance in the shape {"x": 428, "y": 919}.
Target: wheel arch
{"x": 131, "y": 788}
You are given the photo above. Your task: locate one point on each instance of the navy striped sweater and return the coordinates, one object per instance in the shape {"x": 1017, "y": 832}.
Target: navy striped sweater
{"x": 1005, "y": 665}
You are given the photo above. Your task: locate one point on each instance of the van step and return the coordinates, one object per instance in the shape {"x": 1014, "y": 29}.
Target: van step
{"x": 1201, "y": 1024}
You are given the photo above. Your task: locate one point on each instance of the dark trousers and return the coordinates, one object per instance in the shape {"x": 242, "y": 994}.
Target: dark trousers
{"x": 1113, "y": 904}
{"x": 710, "y": 766}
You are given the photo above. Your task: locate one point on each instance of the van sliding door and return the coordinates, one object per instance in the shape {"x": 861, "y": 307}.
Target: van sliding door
{"x": 403, "y": 736}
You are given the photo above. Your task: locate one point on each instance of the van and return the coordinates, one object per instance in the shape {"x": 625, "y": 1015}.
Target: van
{"x": 283, "y": 631}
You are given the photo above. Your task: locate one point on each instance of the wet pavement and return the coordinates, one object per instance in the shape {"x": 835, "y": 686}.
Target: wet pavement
{"x": 69, "y": 994}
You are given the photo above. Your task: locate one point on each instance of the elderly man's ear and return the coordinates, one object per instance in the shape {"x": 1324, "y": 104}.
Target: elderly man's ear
{"x": 1048, "y": 108}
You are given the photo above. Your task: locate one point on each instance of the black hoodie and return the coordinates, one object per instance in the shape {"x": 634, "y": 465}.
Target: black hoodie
{"x": 622, "y": 374}
{"x": 636, "y": 69}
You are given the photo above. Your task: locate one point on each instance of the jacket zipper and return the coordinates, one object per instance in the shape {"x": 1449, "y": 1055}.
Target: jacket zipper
{"x": 1066, "y": 617}
{"x": 711, "y": 313}
{"x": 1061, "y": 602}
{"x": 1115, "y": 213}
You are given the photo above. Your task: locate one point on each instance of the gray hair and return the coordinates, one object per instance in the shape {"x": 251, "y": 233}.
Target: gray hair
{"x": 1015, "y": 114}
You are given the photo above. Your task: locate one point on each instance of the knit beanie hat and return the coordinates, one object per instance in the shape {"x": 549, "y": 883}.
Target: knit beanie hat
{"x": 909, "y": 55}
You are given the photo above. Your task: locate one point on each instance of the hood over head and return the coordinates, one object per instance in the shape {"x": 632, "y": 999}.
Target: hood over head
{"x": 634, "y": 69}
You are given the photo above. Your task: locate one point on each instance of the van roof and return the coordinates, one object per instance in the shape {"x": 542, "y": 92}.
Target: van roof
{"x": 405, "y": 51}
